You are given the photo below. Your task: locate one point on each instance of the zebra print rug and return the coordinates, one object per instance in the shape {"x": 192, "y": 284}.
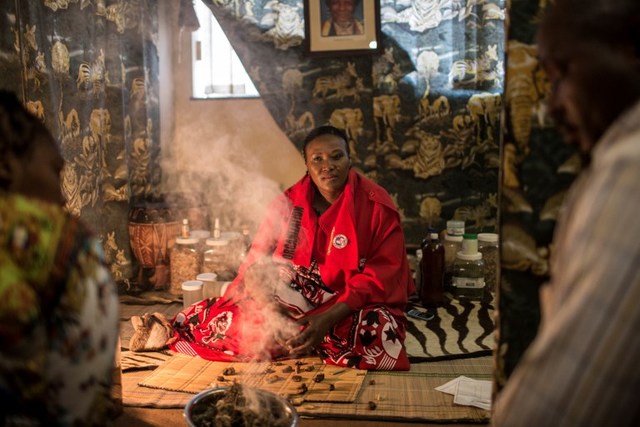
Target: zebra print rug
{"x": 458, "y": 329}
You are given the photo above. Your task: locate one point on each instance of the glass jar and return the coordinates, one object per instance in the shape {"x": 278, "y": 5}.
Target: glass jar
{"x": 237, "y": 249}
{"x": 201, "y": 246}
{"x": 467, "y": 281}
{"x": 488, "y": 247}
{"x": 185, "y": 262}
{"x": 216, "y": 257}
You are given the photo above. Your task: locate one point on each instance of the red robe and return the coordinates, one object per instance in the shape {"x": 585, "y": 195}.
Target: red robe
{"x": 359, "y": 248}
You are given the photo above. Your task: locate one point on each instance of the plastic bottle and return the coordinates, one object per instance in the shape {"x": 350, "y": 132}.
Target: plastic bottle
{"x": 452, "y": 245}
{"x": 418, "y": 273}
{"x": 468, "y": 271}
{"x": 432, "y": 291}
{"x": 185, "y": 229}
{"x": 216, "y": 229}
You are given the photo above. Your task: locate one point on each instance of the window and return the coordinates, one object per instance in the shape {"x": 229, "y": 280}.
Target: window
{"x": 217, "y": 71}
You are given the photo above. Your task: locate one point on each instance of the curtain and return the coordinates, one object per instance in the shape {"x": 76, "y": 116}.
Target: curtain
{"x": 89, "y": 70}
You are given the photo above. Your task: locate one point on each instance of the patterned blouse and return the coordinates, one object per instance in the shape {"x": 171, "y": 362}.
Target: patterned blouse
{"x": 58, "y": 318}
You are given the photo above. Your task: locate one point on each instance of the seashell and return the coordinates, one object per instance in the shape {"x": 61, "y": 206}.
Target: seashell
{"x": 151, "y": 332}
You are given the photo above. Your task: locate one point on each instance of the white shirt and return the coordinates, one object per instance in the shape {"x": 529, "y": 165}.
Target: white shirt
{"x": 583, "y": 368}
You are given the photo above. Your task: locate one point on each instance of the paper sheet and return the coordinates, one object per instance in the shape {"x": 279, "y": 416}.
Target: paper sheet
{"x": 469, "y": 392}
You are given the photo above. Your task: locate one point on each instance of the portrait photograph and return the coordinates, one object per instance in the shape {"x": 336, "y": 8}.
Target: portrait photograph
{"x": 342, "y": 26}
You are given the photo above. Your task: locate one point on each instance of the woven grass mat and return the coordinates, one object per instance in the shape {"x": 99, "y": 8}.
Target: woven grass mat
{"x": 459, "y": 329}
{"x": 401, "y": 396}
{"x": 130, "y": 360}
{"x": 303, "y": 379}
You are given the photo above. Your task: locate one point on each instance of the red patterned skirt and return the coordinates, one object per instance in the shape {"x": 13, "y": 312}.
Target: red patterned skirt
{"x": 254, "y": 329}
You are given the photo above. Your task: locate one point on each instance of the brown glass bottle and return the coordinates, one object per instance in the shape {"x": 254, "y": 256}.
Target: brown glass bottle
{"x": 432, "y": 268}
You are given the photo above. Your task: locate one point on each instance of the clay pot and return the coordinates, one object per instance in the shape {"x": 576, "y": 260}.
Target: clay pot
{"x": 152, "y": 233}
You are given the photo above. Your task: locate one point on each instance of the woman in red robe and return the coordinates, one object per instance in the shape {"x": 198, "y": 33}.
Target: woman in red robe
{"x": 327, "y": 273}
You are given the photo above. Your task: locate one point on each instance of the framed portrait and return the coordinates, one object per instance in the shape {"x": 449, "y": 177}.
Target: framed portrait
{"x": 342, "y": 27}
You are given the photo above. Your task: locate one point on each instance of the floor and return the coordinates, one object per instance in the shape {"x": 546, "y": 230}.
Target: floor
{"x": 147, "y": 417}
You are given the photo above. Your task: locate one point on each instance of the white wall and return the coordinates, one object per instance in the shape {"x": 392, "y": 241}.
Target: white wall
{"x": 235, "y": 138}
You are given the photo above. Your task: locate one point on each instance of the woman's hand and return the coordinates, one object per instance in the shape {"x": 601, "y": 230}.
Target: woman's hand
{"x": 315, "y": 327}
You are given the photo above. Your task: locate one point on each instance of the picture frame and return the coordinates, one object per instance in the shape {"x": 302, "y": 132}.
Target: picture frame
{"x": 361, "y": 37}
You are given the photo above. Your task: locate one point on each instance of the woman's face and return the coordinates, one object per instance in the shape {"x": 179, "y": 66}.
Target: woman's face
{"x": 341, "y": 10}
{"x": 328, "y": 164}
{"x": 37, "y": 174}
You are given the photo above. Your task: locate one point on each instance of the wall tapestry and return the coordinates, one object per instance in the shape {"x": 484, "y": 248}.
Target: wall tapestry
{"x": 422, "y": 116}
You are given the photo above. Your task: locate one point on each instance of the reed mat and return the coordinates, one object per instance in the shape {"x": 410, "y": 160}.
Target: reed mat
{"x": 303, "y": 379}
{"x": 401, "y": 396}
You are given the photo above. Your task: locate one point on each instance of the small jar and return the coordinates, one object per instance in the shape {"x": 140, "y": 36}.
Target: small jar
{"x": 455, "y": 227}
{"x": 191, "y": 292}
{"x": 452, "y": 245}
{"x": 211, "y": 286}
{"x": 488, "y": 247}
{"x": 185, "y": 263}
{"x": 216, "y": 257}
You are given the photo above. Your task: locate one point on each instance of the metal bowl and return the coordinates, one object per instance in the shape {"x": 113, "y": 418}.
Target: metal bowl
{"x": 281, "y": 409}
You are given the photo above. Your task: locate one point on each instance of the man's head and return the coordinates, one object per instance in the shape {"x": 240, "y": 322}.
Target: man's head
{"x": 590, "y": 50}
{"x": 30, "y": 162}
{"x": 342, "y": 10}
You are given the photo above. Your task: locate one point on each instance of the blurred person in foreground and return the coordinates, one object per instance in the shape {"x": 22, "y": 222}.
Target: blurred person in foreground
{"x": 327, "y": 273}
{"x": 58, "y": 303}
{"x": 582, "y": 368}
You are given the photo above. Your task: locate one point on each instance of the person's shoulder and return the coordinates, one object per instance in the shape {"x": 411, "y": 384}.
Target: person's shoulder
{"x": 374, "y": 191}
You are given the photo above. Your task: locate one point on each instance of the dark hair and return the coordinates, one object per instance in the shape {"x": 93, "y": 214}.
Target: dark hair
{"x": 19, "y": 129}
{"x": 324, "y": 130}
{"x": 328, "y": 2}
{"x": 606, "y": 21}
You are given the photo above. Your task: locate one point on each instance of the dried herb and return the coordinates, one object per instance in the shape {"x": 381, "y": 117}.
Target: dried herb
{"x": 231, "y": 408}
